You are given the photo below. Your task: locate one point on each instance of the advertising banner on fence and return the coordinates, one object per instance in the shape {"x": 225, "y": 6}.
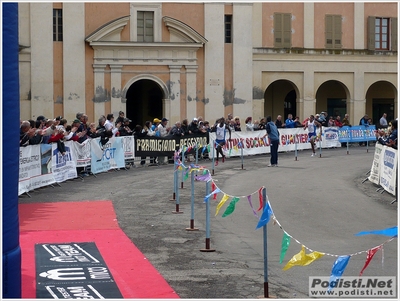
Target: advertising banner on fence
{"x": 64, "y": 166}
{"x": 128, "y": 143}
{"x": 376, "y": 164}
{"x": 81, "y": 152}
{"x": 35, "y": 167}
{"x": 388, "y": 170}
{"x": 357, "y": 133}
{"x": 156, "y": 146}
{"x": 106, "y": 156}
{"x": 252, "y": 143}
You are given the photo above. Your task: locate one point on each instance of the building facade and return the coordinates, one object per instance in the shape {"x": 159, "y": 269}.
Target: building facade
{"x": 184, "y": 60}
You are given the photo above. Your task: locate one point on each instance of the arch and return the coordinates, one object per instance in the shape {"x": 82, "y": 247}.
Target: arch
{"x": 381, "y": 97}
{"x": 278, "y": 95}
{"x": 333, "y": 97}
{"x": 151, "y": 77}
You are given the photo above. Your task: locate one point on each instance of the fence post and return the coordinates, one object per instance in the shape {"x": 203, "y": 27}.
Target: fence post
{"x": 192, "y": 228}
{"x": 207, "y": 248}
{"x": 177, "y": 194}
{"x": 265, "y": 241}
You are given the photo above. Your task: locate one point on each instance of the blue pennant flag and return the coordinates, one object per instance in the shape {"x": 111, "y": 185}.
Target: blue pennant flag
{"x": 265, "y": 217}
{"x": 337, "y": 270}
{"x": 392, "y": 232}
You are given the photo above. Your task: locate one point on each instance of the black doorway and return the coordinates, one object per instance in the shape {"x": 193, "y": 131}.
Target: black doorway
{"x": 144, "y": 102}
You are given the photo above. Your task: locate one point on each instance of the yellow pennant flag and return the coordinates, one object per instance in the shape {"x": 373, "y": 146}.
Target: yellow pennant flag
{"x": 302, "y": 258}
{"x": 221, "y": 203}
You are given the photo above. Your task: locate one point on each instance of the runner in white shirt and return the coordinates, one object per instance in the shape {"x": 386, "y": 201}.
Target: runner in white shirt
{"x": 311, "y": 126}
{"x": 220, "y": 129}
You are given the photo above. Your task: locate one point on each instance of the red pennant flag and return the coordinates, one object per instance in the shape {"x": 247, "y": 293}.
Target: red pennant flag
{"x": 370, "y": 254}
{"x": 261, "y": 199}
{"x": 213, "y": 187}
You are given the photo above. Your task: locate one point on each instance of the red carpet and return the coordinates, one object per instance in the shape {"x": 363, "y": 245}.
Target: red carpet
{"x": 88, "y": 221}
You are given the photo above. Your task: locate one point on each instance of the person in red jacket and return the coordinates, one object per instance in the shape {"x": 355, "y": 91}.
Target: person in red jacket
{"x": 338, "y": 122}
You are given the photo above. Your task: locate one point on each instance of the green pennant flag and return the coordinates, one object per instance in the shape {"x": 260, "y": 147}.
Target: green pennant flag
{"x": 208, "y": 148}
{"x": 231, "y": 207}
{"x": 186, "y": 175}
{"x": 285, "y": 245}
{"x": 205, "y": 171}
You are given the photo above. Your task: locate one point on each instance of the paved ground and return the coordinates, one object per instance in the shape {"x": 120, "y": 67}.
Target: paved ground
{"x": 319, "y": 201}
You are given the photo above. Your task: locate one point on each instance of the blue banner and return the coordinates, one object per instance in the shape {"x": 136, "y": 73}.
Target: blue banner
{"x": 357, "y": 133}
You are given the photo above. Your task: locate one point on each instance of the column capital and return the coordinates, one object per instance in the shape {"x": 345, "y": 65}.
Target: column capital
{"x": 175, "y": 68}
{"x": 191, "y": 69}
{"x": 99, "y": 67}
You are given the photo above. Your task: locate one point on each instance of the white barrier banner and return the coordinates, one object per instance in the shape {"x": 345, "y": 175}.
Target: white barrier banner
{"x": 35, "y": 168}
{"x": 64, "y": 166}
{"x": 128, "y": 143}
{"x": 388, "y": 170}
{"x": 331, "y": 137}
{"x": 107, "y": 156}
{"x": 290, "y": 140}
{"x": 376, "y": 164}
{"x": 81, "y": 152}
{"x": 29, "y": 167}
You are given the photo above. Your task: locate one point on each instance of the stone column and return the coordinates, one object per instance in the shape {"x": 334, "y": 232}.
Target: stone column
{"x": 74, "y": 97}
{"x": 308, "y": 99}
{"x": 242, "y": 59}
{"x": 358, "y": 108}
{"x": 99, "y": 91}
{"x": 191, "y": 100}
{"x": 42, "y": 60}
{"x": 359, "y": 25}
{"x": 308, "y": 25}
{"x": 174, "y": 93}
{"x": 116, "y": 90}
{"x": 214, "y": 61}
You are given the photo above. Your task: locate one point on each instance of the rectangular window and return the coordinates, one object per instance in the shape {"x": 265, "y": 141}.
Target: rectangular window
{"x": 382, "y": 33}
{"x": 282, "y": 30}
{"x": 57, "y": 25}
{"x": 228, "y": 28}
{"x": 333, "y": 31}
{"x": 145, "y": 26}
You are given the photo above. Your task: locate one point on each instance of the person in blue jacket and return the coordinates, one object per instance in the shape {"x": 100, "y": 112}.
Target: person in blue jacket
{"x": 273, "y": 135}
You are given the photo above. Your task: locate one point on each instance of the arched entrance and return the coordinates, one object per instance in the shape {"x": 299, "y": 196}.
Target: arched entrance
{"x": 280, "y": 99}
{"x": 331, "y": 97}
{"x": 381, "y": 99}
{"x": 144, "y": 101}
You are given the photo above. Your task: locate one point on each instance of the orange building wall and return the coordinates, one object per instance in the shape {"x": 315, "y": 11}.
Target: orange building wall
{"x": 346, "y": 10}
{"x": 297, "y": 11}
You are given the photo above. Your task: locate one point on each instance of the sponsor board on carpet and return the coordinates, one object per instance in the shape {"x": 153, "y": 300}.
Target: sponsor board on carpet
{"x": 73, "y": 271}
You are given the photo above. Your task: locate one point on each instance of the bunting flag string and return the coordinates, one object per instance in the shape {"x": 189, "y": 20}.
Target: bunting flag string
{"x": 268, "y": 214}
{"x": 338, "y": 268}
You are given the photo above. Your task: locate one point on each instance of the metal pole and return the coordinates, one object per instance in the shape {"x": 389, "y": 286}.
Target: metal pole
{"x": 192, "y": 228}
{"x": 319, "y": 142}
{"x": 266, "y": 295}
{"x": 177, "y": 194}
{"x": 241, "y": 154}
{"x": 175, "y": 179}
{"x": 213, "y": 155}
{"x": 207, "y": 248}
{"x": 295, "y": 147}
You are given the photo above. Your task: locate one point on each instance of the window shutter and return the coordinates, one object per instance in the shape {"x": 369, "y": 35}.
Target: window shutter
{"x": 337, "y": 33}
{"x": 328, "y": 31}
{"x": 371, "y": 33}
{"x": 278, "y": 43}
{"x": 287, "y": 30}
{"x": 393, "y": 33}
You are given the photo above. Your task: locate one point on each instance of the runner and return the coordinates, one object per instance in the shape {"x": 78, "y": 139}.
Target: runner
{"x": 220, "y": 133}
{"x": 311, "y": 126}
